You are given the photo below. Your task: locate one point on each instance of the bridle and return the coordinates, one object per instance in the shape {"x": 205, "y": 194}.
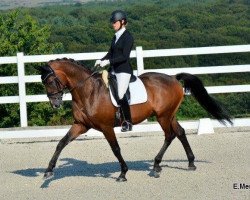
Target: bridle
{"x": 59, "y": 85}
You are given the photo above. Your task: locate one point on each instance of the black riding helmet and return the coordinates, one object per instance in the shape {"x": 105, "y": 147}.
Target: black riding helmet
{"x": 118, "y": 15}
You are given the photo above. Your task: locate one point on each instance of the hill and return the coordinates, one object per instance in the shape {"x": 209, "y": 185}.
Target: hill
{"x": 11, "y": 4}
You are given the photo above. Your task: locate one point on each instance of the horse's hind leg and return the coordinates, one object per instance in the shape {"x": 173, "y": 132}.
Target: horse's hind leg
{"x": 169, "y": 136}
{"x": 72, "y": 134}
{"x": 180, "y": 133}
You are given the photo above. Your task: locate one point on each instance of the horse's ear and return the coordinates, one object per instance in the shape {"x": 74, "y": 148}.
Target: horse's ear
{"x": 43, "y": 68}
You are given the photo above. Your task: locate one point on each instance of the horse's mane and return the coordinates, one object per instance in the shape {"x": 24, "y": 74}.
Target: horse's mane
{"x": 91, "y": 71}
{"x": 70, "y": 60}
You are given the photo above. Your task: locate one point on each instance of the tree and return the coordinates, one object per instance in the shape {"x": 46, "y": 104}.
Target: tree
{"x": 20, "y": 33}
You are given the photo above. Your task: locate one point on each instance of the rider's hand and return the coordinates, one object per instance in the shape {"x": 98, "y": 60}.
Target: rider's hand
{"x": 104, "y": 63}
{"x": 97, "y": 62}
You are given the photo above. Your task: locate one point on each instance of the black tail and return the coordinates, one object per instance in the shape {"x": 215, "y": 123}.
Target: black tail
{"x": 197, "y": 89}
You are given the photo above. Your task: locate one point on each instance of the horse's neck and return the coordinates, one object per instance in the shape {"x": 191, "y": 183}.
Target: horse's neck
{"x": 84, "y": 88}
{"x": 74, "y": 74}
{"x": 79, "y": 79}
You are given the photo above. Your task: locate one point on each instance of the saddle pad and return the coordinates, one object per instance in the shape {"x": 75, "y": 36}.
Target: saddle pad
{"x": 138, "y": 93}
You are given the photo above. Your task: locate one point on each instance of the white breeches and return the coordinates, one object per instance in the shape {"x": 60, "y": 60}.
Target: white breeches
{"x": 122, "y": 83}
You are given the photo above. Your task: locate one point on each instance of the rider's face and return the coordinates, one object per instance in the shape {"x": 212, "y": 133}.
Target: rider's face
{"x": 116, "y": 25}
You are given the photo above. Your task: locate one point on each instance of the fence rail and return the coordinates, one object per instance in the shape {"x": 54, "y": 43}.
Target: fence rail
{"x": 21, "y": 79}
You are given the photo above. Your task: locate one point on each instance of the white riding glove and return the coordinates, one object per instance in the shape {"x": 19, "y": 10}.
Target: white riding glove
{"x": 97, "y": 62}
{"x": 104, "y": 63}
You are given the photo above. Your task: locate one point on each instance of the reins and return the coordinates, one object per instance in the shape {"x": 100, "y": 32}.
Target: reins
{"x": 96, "y": 70}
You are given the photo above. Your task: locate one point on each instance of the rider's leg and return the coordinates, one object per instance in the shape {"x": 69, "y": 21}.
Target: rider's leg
{"x": 123, "y": 83}
{"x": 127, "y": 123}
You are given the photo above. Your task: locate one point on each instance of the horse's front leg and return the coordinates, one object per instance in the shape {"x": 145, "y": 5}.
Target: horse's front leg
{"x": 73, "y": 133}
{"x": 111, "y": 138}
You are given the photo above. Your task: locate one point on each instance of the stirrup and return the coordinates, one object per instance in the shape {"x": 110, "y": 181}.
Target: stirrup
{"x": 126, "y": 126}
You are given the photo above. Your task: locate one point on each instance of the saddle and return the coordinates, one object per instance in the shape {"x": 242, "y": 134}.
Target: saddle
{"x": 113, "y": 86}
{"x": 136, "y": 89}
{"x": 114, "y": 90}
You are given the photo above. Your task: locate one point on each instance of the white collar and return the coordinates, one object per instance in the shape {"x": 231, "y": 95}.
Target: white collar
{"x": 119, "y": 33}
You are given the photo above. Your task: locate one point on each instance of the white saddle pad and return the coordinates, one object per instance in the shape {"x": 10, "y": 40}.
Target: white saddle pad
{"x": 138, "y": 93}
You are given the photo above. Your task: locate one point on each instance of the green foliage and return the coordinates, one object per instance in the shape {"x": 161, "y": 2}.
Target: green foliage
{"x": 41, "y": 114}
{"x": 155, "y": 24}
{"x": 9, "y": 115}
{"x": 20, "y": 32}
{"x": 238, "y": 104}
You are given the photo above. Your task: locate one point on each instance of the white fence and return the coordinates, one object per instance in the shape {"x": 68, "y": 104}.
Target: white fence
{"x": 22, "y": 99}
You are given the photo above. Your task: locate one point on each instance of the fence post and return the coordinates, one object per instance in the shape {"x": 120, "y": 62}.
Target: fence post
{"x": 139, "y": 60}
{"x": 205, "y": 126}
{"x": 22, "y": 90}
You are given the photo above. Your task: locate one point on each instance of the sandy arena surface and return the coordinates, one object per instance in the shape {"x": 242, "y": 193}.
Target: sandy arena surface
{"x": 87, "y": 168}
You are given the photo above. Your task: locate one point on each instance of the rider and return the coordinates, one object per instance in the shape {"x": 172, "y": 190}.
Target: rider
{"x": 118, "y": 59}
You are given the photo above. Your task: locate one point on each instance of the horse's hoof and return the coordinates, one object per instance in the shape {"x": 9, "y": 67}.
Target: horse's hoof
{"x": 48, "y": 175}
{"x": 192, "y": 168}
{"x": 157, "y": 174}
{"x": 121, "y": 179}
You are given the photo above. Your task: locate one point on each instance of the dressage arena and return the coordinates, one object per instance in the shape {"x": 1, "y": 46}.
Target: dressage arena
{"x": 87, "y": 168}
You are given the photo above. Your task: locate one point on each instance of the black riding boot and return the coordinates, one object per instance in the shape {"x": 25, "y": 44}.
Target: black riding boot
{"x": 125, "y": 114}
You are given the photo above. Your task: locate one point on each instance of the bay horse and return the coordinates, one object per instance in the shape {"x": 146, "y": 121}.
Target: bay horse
{"x": 92, "y": 107}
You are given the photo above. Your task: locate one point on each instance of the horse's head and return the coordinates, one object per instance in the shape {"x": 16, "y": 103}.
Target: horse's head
{"x": 63, "y": 73}
{"x": 53, "y": 85}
